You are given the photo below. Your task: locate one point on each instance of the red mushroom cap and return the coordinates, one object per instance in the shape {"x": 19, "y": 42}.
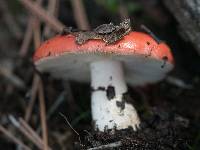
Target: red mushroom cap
{"x": 145, "y": 60}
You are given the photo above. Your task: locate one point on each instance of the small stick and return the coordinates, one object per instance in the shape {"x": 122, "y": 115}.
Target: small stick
{"x": 52, "y": 9}
{"x": 27, "y": 39}
{"x": 110, "y": 145}
{"x": 56, "y": 104}
{"x": 13, "y": 138}
{"x": 25, "y": 132}
{"x": 36, "y": 29}
{"x": 70, "y": 126}
{"x": 15, "y": 80}
{"x": 178, "y": 82}
{"x": 36, "y": 37}
{"x": 147, "y": 30}
{"x": 80, "y": 15}
{"x": 37, "y": 40}
{"x": 43, "y": 115}
{"x": 28, "y": 34}
{"x": 36, "y": 33}
{"x": 34, "y": 88}
{"x": 31, "y": 131}
{"x": 43, "y": 15}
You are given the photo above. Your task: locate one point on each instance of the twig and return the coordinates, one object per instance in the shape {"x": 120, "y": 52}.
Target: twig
{"x": 37, "y": 40}
{"x": 34, "y": 88}
{"x": 27, "y": 39}
{"x": 28, "y": 34}
{"x": 56, "y": 104}
{"x": 7, "y": 73}
{"x": 80, "y": 117}
{"x": 71, "y": 126}
{"x": 36, "y": 28}
{"x": 10, "y": 20}
{"x": 30, "y": 130}
{"x": 43, "y": 115}
{"x": 36, "y": 34}
{"x": 25, "y": 132}
{"x": 38, "y": 11}
{"x": 52, "y": 9}
{"x": 13, "y": 138}
{"x": 143, "y": 27}
{"x": 80, "y": 14}
{"x": 178, "y": 82}
{"x": 111, "y": 145}
{"x": 36, "y": 31}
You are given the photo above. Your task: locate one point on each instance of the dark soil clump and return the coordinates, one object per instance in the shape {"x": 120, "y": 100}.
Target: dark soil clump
{"x": 159, "y": 131}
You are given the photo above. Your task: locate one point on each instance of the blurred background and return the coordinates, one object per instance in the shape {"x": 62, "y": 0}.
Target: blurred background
{"x": 26, "y": 101}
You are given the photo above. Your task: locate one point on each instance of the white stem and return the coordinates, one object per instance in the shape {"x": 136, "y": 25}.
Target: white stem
{"x": 109, "y": 107}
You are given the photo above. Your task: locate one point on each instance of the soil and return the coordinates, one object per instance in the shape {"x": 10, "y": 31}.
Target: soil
{"x": 159, "y": 131}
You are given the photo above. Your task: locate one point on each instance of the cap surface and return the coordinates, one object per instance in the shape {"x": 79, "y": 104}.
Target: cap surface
{"x": 144, "y": 60}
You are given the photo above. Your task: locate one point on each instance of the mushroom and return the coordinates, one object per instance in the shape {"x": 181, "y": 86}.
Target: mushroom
{"x": 136, "y": 59}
